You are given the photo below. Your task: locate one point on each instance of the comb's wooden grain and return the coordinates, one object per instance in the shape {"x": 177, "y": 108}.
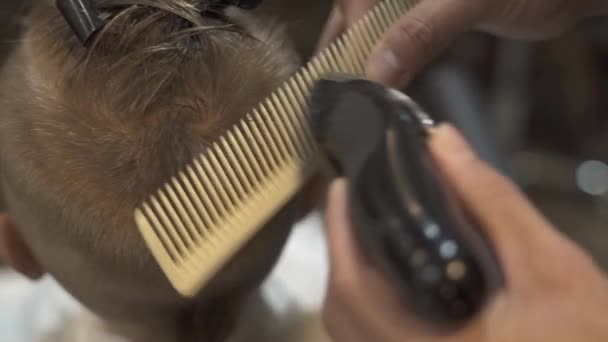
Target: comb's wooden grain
{"x": 199, "y": 219}
{"x": 242, "y": 178}
{"x": 257, "y": 155}
{"x": 167, "y": 226}
{"x": 351, "y": 52}
{"x": 297, "y": 102}
{"x": 148, "y": 216}
{"x": 208, "y": 215}
{"x": 309, "y": 75}
{"x": 336, "y": 56}
{"x": 176, "y": 274}
{"x": 319, "y": 69}
{"x": 218, "y": 192}
{"x": 285, "y": 125}
{"x": 298, "y": 127}
{"x": 224, "y": 153}
{"x": 301, "y": 88}
{"x": 181, "y": 215}
{"x": 360, "y": 43}
{"x": 384, "y": 18}
{"x": 222, "y": 180}
{"x": 275, "y": 132}
{"x": 247, "y": 155}
{"x": 175, "y": 223}
{"x": 209, "y": 198}
{"x": 375, "y": 27}
{"x": 367, "y": 35}
{"x": 346, "y": 56}
{"x": 322, "y": 62}
{"x": 194, "y": 220}
{"x": 331, "y": 60}
{"x": 262, "y": 141}
{"x": 163, "y": 239}
{"x": 370, "y": 34}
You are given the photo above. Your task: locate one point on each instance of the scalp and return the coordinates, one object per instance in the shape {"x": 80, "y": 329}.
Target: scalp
{"x": 88, "y": 133}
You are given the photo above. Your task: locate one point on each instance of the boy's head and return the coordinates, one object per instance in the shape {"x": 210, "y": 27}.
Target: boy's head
{"x": 86, "y": 134}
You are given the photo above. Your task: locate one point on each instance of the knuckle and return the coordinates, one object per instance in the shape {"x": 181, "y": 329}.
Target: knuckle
{"x": 416, "y": 33}
{"x": 331, "y": 320}
{"x": 335, "y": 305}
{"x": 561, "y": 267}
{"x": 327, "y": 315}
{"x": 563, "y": 258}
{"x": 484, "y": 181}
{"x": 343, "y": 287}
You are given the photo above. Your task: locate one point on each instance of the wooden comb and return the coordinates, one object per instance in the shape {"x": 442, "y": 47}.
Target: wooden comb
{"x": 198, "y": 220}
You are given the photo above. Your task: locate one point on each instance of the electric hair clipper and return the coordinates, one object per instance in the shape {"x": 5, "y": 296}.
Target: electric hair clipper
{"x": 407, "y": 222}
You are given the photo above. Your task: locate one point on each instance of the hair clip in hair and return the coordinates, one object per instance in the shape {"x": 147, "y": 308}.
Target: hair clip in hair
{"x": 244, "y": 4}
{"x": 82, "y": 16}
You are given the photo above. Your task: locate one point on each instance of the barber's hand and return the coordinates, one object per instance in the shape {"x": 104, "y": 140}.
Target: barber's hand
{"x": 429, "y": 27}
{"x": 553, "y": 291}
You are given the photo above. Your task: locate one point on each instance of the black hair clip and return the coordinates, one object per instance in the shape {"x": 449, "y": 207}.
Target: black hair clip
{"x": 82, "y": 16}
{"x": 244, "y": 4}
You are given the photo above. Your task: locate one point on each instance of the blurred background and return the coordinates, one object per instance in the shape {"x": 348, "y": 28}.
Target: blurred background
{"x": 537, "y": 111}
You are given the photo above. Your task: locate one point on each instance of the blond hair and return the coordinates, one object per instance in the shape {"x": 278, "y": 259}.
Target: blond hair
{"x": 86, "y": 134}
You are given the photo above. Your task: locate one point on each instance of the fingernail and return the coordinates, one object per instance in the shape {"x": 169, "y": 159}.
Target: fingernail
{"x": 384, "y": 67}
{"x": 448, "y": 142}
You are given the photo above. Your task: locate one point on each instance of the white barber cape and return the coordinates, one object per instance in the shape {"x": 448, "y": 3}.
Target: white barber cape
{"x": 44, "y": 312}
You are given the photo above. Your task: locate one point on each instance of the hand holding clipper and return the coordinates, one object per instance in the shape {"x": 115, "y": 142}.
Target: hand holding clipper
{"x": 405, "y": 219}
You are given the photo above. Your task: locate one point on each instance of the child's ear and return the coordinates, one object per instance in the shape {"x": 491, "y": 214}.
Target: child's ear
{"x": 15, "y": 252}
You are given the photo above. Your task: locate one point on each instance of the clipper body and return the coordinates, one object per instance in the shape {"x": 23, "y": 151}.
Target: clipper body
{"x": 405, "y": 218}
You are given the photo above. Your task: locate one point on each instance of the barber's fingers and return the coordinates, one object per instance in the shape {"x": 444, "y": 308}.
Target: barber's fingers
{"x": 334, "y": 26}
{"x": 355, "y": 9}
{"x": 350, "y": 269}
{"x": 344, "y": 14}
{"x": 343, "y": 252}
{"x": 359, "y": 294}
{"x": 519, "y": 233}
{"x": 419, "y": 36}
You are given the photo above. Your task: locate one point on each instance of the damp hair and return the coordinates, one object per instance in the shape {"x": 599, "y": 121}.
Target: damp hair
{"x": 87, "y": 133}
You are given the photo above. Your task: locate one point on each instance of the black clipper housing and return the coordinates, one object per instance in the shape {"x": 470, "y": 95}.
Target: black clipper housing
{"x": 405, "y": 219}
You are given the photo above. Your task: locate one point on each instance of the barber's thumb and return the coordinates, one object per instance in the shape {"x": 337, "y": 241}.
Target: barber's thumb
{"x": 337, "y": 220}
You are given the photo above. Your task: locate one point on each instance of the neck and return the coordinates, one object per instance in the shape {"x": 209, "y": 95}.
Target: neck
{"x": 158, "y": 331}
{"x": 214, "y": 322}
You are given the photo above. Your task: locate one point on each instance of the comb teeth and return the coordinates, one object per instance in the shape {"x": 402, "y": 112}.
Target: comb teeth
{"x": 196, "y": 222}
